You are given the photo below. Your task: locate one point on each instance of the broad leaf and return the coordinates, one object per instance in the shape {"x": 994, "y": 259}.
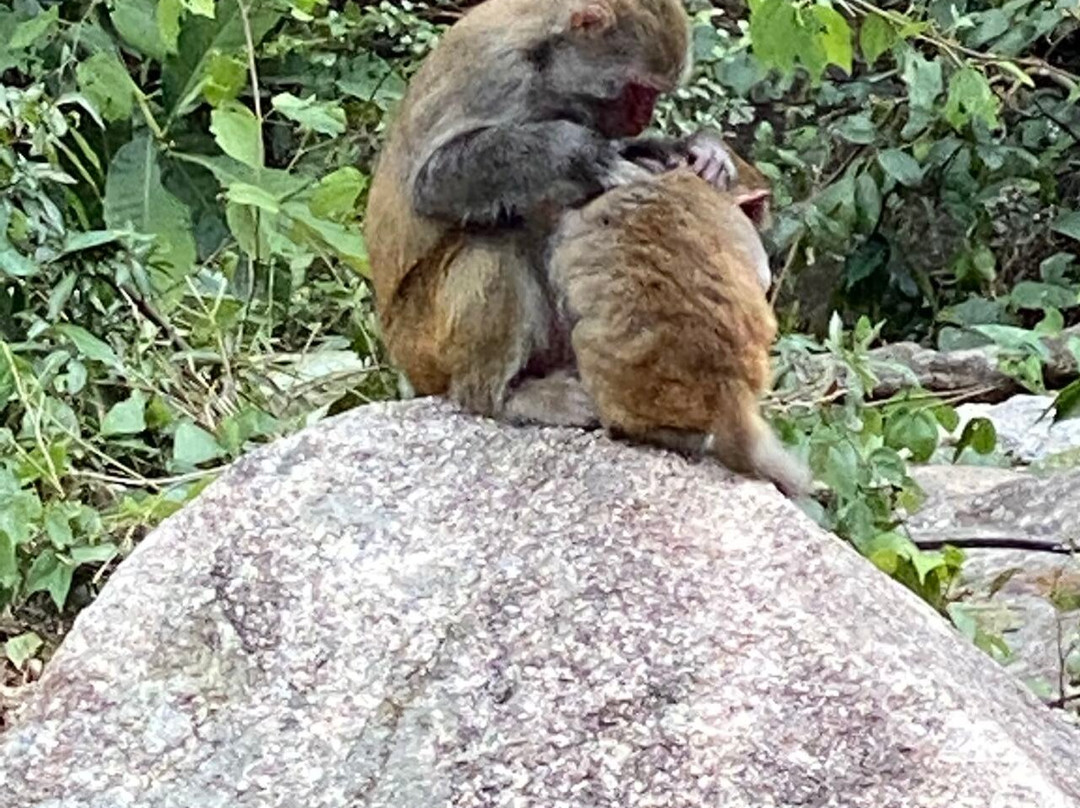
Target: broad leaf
{"x": 319, "y": 116}
{"x": 49, "y": 573}
{"x": 1068, "y": 224}
{"x": 1067, "y": 402}
{"x": 28, "y": 32}
{"x": 152, "y": 27}
{"x": 104, "y": 80}
{"x": 202, "y": 39}
{"x": 237, "y": 132}
{"x": 89, "y": 346}
{"x": 979, "y": 434}
{"x": 193, "y": 445}
{"x": 126, "y": 417}
{"x": 923, "y": 78}
{"x": 971, "y": 97}
{"x": 876, "y": 36}
{"x": 135, "y": 197}
{"x": 336, "y": 194}
{"x": 835, "y": 37}
{"x": 21, "y": 648}
{"x": 901, "y": 166}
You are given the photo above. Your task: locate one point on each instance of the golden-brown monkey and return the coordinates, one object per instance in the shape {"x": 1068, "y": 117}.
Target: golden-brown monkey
{"x": 523, "y": 109}
{"x": 660, "y": 281}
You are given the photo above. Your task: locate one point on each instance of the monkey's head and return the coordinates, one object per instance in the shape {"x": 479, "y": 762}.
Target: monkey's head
{"x": 610, "y": 60}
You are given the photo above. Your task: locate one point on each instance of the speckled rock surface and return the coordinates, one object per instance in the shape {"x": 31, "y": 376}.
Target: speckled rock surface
{"x": 1023, "y": 432}
{"x": 408, "y": 608}
{"x": 975, "y": 502}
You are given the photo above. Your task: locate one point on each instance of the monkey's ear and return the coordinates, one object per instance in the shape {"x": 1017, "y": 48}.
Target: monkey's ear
{"x": 755, "y": 204}
{"x": 592, "y": 18}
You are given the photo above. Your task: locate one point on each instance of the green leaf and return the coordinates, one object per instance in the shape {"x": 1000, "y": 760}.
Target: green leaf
{"x": 835, "y": 37}
{"x": 93, "y": 554}
{"x": 979, "y": 434}
{"x": 204, "y": 8}
{"x": 1036, "y": 295}
{"x": 236, "y": 131}
{"x": 10, "y": 576}
{"x": 887, "y": 465}
{"x": 50, "y": 574}
{"x": 20, "y": 509}
{"x": 926, "y": 562}
{"x": 971, "y": 97}
{"x": 858, "y": 128}
{"x": 1067, "y": 402}
{"x": 104, "y": 80}
{"x": 21, "y": 648}
{"x": 923, "y": 78}
{"x": 58, "y": 524}
{"x": 1068, "y": 224}
{"x": 319, "y": 116}
{"x": 135, "y": 197}
{"x": 876, "y": 36}
{"x": 89, "y": 346}
{"x": 150, "y": 26}
{"x": 901, "y": 166}
{"x": 774, "y": 30}
{"x": 28, "y": 32}
{"x": 336, "y": 194}
{"x": 225, "y": 77}
{"x": 126, "y": 417}
{"x": 202, "y": 41}
{"x": 1014, "y": 339}
{"x": 868, "y": 201}
{"x": 241, "y": 193}
{"x": 915, "y": 431}
{"x": 60, "y": 295}
{"x": 193, "y": 445}
{"x": 347, "y": 243}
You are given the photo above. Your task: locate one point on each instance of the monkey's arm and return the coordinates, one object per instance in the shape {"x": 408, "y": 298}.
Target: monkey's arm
{"x": 501, "y": 173}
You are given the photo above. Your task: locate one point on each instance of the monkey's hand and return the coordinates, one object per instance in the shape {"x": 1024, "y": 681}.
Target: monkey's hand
{"x": 623, "y": 172}
{"x": 709, "y": 159}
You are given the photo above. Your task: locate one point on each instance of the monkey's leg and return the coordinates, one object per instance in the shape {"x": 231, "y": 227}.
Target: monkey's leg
{"x": 469, "y": 326}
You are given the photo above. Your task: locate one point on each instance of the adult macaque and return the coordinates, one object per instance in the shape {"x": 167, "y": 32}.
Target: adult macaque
{"x": 661, "y": 284}
{"x": 524, "y": 109}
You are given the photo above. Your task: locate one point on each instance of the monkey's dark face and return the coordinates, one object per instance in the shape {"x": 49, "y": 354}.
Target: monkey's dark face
{"x": 630, "y": 113}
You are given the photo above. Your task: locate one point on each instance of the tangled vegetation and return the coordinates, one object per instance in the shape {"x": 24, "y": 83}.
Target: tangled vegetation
{"x": 182, "y": 274}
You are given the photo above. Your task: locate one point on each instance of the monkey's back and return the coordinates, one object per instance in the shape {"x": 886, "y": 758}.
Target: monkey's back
{"x": 671, "y": 327}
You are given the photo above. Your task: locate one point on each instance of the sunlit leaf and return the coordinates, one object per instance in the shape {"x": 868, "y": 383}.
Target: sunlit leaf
{"x": 319, "y": 116}
{"x": 876, "y": 36}
{"x": 237, "y": 132}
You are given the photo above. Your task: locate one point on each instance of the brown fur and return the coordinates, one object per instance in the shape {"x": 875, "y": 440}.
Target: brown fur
{"x": 462, "y": 313}
{"x": 670, "y": 327}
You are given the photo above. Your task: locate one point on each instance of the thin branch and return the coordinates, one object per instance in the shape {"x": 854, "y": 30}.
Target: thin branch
{"x": 997, "y": 543}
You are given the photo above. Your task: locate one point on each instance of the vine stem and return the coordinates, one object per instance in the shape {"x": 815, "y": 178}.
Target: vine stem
{"x": 1039, "y": 67}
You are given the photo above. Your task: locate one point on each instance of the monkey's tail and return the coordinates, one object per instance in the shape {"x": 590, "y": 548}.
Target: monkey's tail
{"x": 744, "y": 442}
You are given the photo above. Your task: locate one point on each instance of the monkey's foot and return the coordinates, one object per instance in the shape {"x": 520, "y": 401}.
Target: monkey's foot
{"x": 559, "y": 399}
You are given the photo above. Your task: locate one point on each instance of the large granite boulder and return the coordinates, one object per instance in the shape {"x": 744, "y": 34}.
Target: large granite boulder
{"x": 404, "y": 607}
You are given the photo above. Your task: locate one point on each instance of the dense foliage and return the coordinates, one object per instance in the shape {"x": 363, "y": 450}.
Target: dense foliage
{"x": 182, "y": 270}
